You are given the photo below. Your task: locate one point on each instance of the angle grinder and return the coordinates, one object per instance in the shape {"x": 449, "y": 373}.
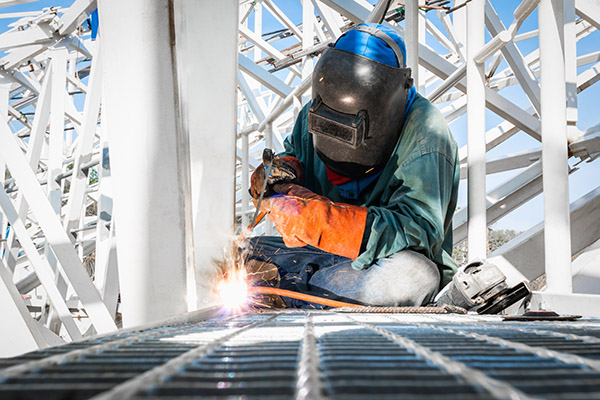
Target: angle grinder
{"x": 483, "y": 286}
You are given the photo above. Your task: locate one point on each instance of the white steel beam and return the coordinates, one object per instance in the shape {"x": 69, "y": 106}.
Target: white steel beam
{"x": 440, "y": 37}
{"x": 588, "y": 77}
{"x": 589, "y": 10}
{"x": 75, "y": 15}
{"x": 245, "y": 181}
{"x": 356, "y": 11}
{"x": 494, "y": 101}
{"x": 263, "y": 45}
{"x": 106, "y": 275}
{"x": 83, "y": 152}
{"x": 412, "y": 39}
{"x": 56, "y": 236}
{"x": 513, "y": 57}
{"x": 282, "y": 18}
{"x": 253, "y": 103}
{"x": 308, "y": 34}
{"x": 526, "y": 252}
{"x": 36, "y": 34}
{"x": 20, "y": 334}
{"x": 587, "y": 305}
{"x": 211, "y": 125}
{"x": 34, "y": 150}
{"x": 55, "y": 160}
{"x": 452, "y": 34}
{"x": 503, "y": 199}
{"x": 507, "y": 163}
{"x": 477, "y": 225}
{"x": 557, "y": 240}
{"x": 40, "y": 266}
{"x": 145, "y": 163}
{"x": 258, "y": 73}
{"x": 332, "y": 20}
{"x": 571, "y": 61}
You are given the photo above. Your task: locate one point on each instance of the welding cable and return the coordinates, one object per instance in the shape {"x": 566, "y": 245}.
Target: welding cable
{"x": 300, "y": 296}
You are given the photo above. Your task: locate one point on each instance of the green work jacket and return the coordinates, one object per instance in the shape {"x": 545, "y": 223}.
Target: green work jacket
{"x": 410, "y": 205}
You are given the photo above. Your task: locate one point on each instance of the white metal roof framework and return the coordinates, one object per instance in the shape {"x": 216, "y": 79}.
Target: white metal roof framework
{"x": 52, "y": 138}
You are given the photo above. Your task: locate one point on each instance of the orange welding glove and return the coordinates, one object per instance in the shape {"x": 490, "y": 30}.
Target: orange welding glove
{"x": 284, "y": 169}
{"x": 303, "y": 217}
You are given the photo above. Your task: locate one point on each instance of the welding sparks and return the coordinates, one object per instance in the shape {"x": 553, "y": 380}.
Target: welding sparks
{"x": 233, "y": 291}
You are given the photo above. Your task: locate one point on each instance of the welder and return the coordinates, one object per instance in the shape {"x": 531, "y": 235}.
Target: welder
{"x": 369, "y": 185}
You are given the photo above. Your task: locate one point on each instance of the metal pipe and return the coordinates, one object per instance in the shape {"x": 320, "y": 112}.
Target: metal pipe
{"x": 411, "y": 21}
{"x": 524, "y": 9}
{"x": 557, "y": 232}
{"x": 448, "y": 84}
{"x": 84, "y": 168}
{"x": 493, "y": 46}
{"x": 378, "y": 13}
{"x": 477, "y": 227}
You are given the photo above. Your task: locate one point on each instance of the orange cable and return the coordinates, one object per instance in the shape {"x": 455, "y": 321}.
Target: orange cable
{"x": 300, "y": 296}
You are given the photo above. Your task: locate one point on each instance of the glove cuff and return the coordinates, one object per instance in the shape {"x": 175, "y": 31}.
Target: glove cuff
{"x": 343, "y": 233}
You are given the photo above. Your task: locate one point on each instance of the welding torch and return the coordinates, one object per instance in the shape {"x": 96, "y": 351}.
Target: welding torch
{"x": 268, "y": 156}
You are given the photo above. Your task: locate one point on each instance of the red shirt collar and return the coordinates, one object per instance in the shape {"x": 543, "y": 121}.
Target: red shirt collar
{"x": 336, "y": 179}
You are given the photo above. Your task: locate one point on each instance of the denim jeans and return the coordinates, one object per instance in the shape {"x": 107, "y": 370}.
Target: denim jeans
{"x": 406, "y": 278}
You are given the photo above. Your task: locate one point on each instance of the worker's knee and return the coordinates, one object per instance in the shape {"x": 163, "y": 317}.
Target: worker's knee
{"x": 406, "y": 278}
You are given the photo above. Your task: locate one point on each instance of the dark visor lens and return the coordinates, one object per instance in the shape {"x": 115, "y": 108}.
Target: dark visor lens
{"x": 347, "y": 128}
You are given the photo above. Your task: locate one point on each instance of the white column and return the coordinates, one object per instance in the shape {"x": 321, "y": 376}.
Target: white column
{"x": 55, "y": 161}
{"x": 269, "y": 144}
{"x": 245, "y": 180}
{"x": 412, "y": 39}
{"x": 141, "y": 121}
{"x": 557, "y": 238}
{"x": 258, "y": 14}
{"x": 308, "y": 34}
{"x": 106, "y": 271}
{"x": 422, "y": 33}
{"x": 459, "y": 25}
{"x": 477, "y": 227}
{"x": 208, "y": 30}
{"x": 571, "y": 69}
{"x": 4, "y": 93}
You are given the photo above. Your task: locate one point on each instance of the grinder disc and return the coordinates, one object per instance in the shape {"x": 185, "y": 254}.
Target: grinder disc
{"x": 505, "y": 299}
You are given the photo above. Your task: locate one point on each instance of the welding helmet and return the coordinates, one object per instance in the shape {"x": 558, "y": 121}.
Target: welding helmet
{"x": 360, "y": 88}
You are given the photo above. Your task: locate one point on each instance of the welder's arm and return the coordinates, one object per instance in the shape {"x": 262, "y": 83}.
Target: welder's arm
{"x": 286, "y": 169}
{"x": 303, "y": 217}
{"x": 419, "y": 208}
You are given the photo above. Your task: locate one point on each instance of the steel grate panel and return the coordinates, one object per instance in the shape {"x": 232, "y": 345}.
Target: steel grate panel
{"x": 540, "y": 338}
{"x": 355, "y": 351}
{"x": 320, "y": 354}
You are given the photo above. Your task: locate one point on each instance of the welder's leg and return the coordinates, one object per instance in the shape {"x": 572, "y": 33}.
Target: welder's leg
{"x": 296, "y": 266}
{"x": 406, "y": 278}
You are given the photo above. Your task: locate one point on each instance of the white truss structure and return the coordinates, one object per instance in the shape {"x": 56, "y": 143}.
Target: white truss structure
{"x": 56, "y": 197}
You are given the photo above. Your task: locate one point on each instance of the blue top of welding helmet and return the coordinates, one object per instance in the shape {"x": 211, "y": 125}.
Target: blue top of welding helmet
{"x": 366, "y": 45}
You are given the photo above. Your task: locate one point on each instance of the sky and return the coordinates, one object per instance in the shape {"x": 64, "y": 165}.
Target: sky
{"x": 580, "y": 182}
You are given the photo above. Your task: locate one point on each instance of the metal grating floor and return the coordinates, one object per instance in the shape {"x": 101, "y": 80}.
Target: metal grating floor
{"x": 320, "y": 354}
